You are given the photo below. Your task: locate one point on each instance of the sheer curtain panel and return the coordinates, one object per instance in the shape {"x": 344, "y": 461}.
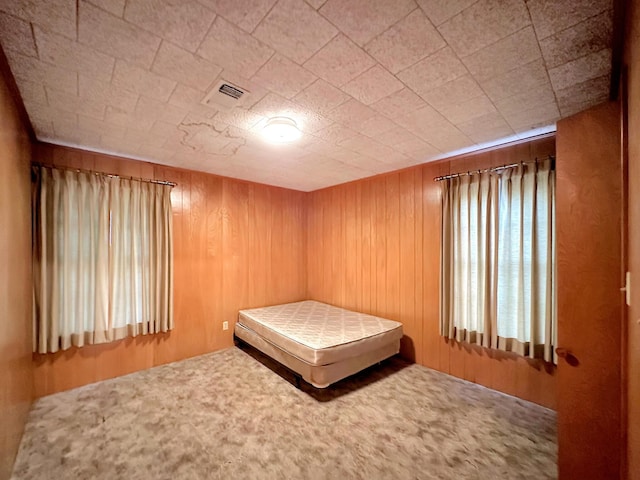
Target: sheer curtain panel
{"x": 498, "y": 259}
{"x": 102, "y": 256}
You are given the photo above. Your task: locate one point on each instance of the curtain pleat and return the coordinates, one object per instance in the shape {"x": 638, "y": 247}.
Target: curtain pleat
{"x": 99, "y": 274}
{"x": 498, "y": 260}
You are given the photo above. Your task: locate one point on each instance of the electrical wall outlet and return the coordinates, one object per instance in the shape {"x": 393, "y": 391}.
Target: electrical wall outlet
{"x": 225, "y": 325}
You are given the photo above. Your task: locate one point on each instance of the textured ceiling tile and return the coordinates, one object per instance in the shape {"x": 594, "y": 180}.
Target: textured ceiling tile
{"x": 321, "y": 97}
{"x": 164, "y": 129}
{"x": 586, "y": 68}
{"x": 190, "y": 98}
{"x": 246, "y": 14}
{"x": 205, "y": 142}
{"x": 239, "y": 117}
{"x": 151, "y": 108}
{"x": 183, "y": 66}
{"x": 121, "y": 118}
{"x": 150, "y": 151}
{"x": 583, "y": 95}
{"x": 283, "y": 76}
{"x": 518, "y": 80}
{"x": 435, "y": 70}
{"x": 228, "y": 46}
{"x": 16, "y": 35}
{"x": 295, "y": 30}
{"x": 426, "y": 154}
{"x": 316, "y": 3}
{"x": 69, "y": 132}
{"x": 39, "y": 113}
{"x": 364, "y": 162}
{"x": 32, "y": 70}
{"x": 115, "y": 7}
{"x": 145, "y": 117}
{"x": 339, "y": 61}
{"x": 432, "y": 127}
{"x": 393, "y": 158}
{"x": 95, "y": 125}
{"x": 33, "y": 91}
{"x": 178, "y": 143}
{"x": 375, "y": 126}
{"x": 394, "y": 136}
{"x": 113, "y": 36}
{"x": 398, "y": 103}
{"x": 361, "y": 20}
{"x": 590, "y": 36}
{"x": 448, "y": 139}
{"x": 117, "y": 146}
{"x": 143, "y": 82}
{"x": 421, "y": 119}
{"x": 345, "y": 155}
{"x": 65, "y": 102}
{"x": 56, "y": 15}
{"x": 488, "y": 127}
{"x": 483, "y": 24}
{"x": 406, "y": 42}
{"x": 439, "y": 11}
{"x": 351, "y": 113}
{"x": 122, "y": 99}
{"x": 334, "y": 133}
{"x": 311, "y": 121}
{"x": 455, "y": 92}
{"x": 65, "y": 53}
{"x": 415, "y": 146}
{"x": 571, "y": 108}
{"x": 468, "y": 110}
{"x": 366, "y": 146}
{"x": 540, "y": 95}
{"x": 373, "y": 85}
{"x": 551, "y": 16}
{"x": 505, "y": 55}
{"x": 43, "y": 130}
{"x": 184, "y": 23}
{"x": 540, "y": 115}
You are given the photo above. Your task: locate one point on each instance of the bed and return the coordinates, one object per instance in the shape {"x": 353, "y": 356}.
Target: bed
{"x": 320, "y": 342}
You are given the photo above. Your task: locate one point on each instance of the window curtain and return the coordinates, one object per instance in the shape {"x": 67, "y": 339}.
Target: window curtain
{"x": 498, "y": 263}
{"x": 102, "y": 258}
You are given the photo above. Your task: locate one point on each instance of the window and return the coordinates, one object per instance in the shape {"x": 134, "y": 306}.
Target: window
{"x": 102, "y": 256}
{"x": 498, "y": 259}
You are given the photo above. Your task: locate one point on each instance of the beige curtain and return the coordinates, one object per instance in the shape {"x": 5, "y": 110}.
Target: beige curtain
{"x": 102, "y": 256}
{"x": 498, "y": 260}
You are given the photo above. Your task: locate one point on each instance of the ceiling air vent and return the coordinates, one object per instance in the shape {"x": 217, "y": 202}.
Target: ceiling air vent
{"x": 225, "y": 95}
{"x": 230, "y": 90}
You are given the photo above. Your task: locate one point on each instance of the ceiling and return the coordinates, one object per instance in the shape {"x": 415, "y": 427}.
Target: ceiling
{"x": 374, "y": 85}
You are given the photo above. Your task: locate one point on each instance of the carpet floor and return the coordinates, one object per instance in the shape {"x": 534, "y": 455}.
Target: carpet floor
{"x": 235, "y": 414}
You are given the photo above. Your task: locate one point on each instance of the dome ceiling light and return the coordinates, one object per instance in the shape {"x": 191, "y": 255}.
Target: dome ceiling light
{"x": 281, "y": 130}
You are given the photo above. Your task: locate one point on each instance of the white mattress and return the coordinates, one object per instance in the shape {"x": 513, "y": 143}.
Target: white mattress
{"x": 320, "y": 334}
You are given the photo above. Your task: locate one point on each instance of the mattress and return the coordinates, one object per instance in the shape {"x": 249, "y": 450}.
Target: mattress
{"x": 320, "y": 334}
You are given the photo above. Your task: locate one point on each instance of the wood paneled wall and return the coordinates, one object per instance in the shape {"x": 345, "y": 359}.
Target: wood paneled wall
{"x": 632, "y": 60}
{"x": 16, "y": 368}
{"x": 236, "y": 245}
{"x": 374, "y": 246}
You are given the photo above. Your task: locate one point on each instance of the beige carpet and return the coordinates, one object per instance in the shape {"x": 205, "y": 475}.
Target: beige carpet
{"x": 226, "y": 415}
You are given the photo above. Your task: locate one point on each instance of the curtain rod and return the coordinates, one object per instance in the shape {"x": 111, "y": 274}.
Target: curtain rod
{"x": 110, "y": 175}
{"x": 492, "y": 169}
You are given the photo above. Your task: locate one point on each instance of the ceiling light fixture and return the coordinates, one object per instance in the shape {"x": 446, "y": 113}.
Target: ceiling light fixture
{"x": 281, "y": 130}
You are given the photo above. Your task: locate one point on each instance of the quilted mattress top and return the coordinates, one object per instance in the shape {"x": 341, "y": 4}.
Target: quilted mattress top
{"x": 318, "y": 325}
